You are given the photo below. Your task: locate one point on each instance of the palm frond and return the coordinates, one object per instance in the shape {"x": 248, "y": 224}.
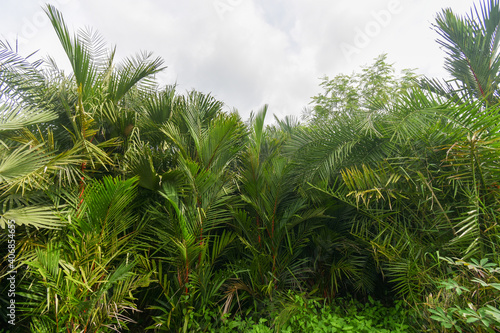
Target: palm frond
{"x": 35, "y": 216}
{"x": 16, "y": 117}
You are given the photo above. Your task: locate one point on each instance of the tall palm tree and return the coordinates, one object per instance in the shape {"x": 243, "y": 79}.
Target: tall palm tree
{"x": 273, "y": 221}
{"x": 192, "y": 195}
{"x": 84, "y": 120}
{"x": 59, "y": 132}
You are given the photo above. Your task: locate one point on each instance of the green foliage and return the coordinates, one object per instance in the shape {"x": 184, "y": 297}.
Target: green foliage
{"x": 351, "y": 316}
{"x": 469, "y": 298}
{"x": 88, "y": 272}
{"x": 377, "y": 85}
{"x": 471, "y": 43}
{"x": 420, "y": 173}
{"x": 141, "y": 209}
{"x": 302, "y": 315}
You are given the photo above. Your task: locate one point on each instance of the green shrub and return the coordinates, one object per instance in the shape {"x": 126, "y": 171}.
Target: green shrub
{"x": 306, "y": 315}
{"x": 469, "y": 299}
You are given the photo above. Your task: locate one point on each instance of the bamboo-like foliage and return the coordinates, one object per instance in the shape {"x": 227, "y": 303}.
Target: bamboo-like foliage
{"x": 434, "y": 194}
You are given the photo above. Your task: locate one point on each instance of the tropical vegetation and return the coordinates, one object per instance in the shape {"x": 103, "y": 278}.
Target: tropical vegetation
{"x": 137, "y": 208}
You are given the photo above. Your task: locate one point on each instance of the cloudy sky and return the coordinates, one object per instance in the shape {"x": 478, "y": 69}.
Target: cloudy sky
{"x": 247, "y": 53}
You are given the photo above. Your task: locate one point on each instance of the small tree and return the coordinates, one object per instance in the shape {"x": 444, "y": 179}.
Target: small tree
{"x": 373, "y": 87}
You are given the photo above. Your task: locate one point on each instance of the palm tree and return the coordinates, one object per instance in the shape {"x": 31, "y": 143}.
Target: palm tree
{"x": 58, "y": 133}
{"x": 471, "y": 43}
{"x": 190, "y": 172}
{"x": 95, "y": 113}
{"x": 420, "y": 174}
{"x": 82, "y": 278}
{"x": 273, "y": 221}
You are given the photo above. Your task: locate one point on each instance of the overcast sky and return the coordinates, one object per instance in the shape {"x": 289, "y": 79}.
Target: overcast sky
{"x": 247, "y": 53}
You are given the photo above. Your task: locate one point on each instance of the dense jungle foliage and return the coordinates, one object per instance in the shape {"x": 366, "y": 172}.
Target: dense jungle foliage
{"x": 136, "y": 208}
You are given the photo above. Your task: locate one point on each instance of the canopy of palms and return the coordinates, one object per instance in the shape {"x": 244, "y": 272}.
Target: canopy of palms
{"x": 141, "y": 208}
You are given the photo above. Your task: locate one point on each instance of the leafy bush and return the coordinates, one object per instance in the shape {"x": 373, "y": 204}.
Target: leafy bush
{"x": 345, "y": 315}
{"x": 468, "y": 300}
